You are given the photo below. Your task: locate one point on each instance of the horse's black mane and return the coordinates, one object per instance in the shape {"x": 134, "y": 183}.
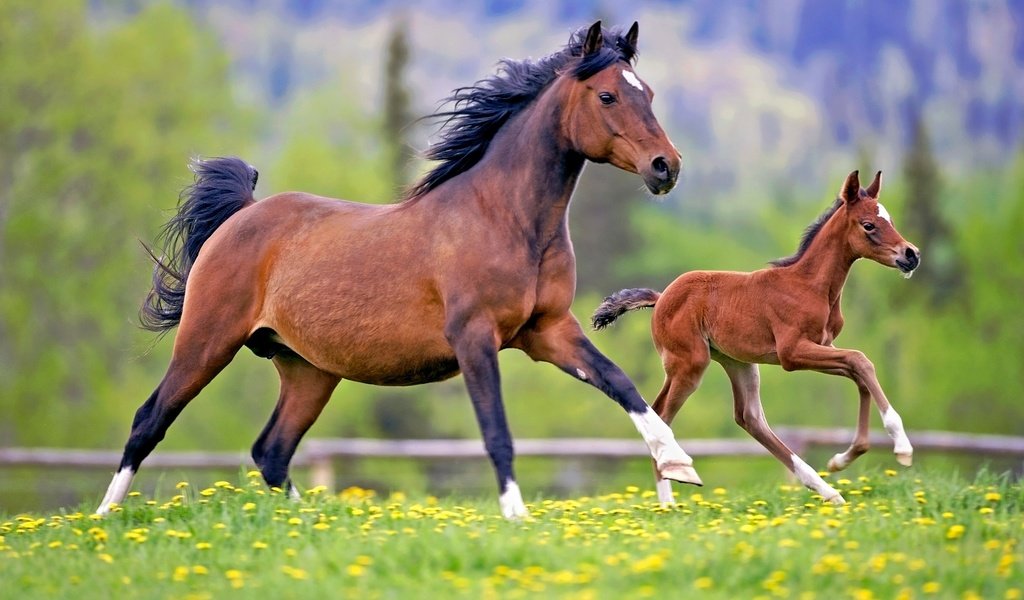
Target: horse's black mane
{"x": 479, "y": 111}
{"x": 809, "y": 234}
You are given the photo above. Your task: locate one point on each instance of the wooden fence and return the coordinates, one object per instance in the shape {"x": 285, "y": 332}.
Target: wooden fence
{"x": 319, "y": 455}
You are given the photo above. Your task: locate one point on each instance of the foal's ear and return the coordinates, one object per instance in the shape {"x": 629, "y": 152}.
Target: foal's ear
{"x": 632, "y": 34}
{"x": 595, "y": 39}
{"x": 876, "y": 186}
{"x": 851, "y": 188}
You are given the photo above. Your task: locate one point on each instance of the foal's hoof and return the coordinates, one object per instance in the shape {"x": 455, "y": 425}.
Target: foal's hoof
{"x": 838, "y": 500}
{"x": 681, "y": 473}
{"x": 905, "y": 458}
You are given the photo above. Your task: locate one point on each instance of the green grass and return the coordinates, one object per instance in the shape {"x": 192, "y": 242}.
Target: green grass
{"x": 906, "y": 534}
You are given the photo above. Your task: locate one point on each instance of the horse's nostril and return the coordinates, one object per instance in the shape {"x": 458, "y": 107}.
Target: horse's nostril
{"x": 911, "y": 254}
{"x": 660, "y": 165}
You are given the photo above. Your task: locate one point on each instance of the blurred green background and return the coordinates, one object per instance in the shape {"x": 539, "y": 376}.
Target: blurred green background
{"x": 102, "y": 103}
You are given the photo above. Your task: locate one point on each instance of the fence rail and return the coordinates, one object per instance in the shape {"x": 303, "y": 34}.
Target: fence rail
{"x": 319, "y": 454}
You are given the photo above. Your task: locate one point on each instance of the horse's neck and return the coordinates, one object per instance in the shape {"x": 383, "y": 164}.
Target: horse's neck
{"x": 826, "y": 263}
{"x": 530, "y": 171}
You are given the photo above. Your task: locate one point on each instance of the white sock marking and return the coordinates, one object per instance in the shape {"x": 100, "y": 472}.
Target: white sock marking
{"x": 894, "y": 427}
{"x": 632, "y": 79}
{"x": 884, "y": 213}
{"x": 117, "y": 490}
{"x": 660, "y": 439}
{"x": 810, "y": 478}
{"x": 293, "y": 493}
{"x": 664, "y": 487}
{"x": 511, "y": 502}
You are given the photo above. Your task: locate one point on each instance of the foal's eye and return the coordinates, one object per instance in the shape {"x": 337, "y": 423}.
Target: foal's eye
{"x": 606, "y": 98}
{"x": 869, "y": 227}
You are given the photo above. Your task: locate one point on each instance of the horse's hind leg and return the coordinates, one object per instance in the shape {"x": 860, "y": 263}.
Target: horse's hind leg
{"x": 305, "y": 390}
{"x": 192, "y": 367}
{"x": 682, "y": 377}
{"x": 749, "y": 414}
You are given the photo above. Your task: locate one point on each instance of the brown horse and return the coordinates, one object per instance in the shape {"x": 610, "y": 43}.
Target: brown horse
{"x": 786, "y": 315}
{"x": 477, "y": 258}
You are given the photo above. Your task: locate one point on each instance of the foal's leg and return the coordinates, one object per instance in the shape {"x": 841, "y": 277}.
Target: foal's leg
{"x": 305, "y": 390}
{"x": 560, "y": 341}
{"x": 682, "y": 377}
{"x": 476, "y": 349}
{"x": 749, "y": 414}
{"x": 861, "y": 442}
{"x": 804, "y": 354}
{"x": 196, "y": 360}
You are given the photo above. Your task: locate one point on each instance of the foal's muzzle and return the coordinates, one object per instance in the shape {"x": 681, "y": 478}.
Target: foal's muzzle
{"x": 909, "y": 261}
{"x": 662, "y": 174}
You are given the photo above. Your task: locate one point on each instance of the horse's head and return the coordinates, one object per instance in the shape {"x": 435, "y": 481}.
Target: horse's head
{"x": 870, "y": 231}
{"x": 608, "y": 116}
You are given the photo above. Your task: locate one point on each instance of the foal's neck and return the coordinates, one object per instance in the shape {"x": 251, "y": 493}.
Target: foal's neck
{"x": 826, "y": 263}
{"x": 530, "y": 170}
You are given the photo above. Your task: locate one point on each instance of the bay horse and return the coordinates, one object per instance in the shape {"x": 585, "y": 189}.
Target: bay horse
{"x": 476, "y": 258}
{"x": 787, "y": 315}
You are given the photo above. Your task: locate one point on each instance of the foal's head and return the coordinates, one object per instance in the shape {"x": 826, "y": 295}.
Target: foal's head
{"x": 869, "y": 228}
{"x": 607, "y": 115}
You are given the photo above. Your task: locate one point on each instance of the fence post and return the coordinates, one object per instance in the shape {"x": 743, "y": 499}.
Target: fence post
{"x": 322, "y": 472}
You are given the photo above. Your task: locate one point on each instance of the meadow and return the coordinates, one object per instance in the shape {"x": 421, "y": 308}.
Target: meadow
{"x": 903, "y": 534}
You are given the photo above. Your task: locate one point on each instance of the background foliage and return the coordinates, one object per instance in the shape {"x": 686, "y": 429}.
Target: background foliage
{"x": 101, "y": 105}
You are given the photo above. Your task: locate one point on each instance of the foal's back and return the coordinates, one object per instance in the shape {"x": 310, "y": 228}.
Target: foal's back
{"x": 734, "y": 312}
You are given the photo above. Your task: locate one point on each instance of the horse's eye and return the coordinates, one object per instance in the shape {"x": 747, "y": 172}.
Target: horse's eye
{"x": 606, "y": 98}
{"x": 869, "y": 227}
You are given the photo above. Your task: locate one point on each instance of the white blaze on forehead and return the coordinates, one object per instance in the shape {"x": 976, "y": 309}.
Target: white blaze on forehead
{"x": 632, "y": 79}
{"x": 884, "y": 213}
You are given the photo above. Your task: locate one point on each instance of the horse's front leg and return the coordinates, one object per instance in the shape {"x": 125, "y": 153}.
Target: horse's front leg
{"x": 476, "y": 349}
{"x": 561, "y": 342}
{"x": 804, "y": 354}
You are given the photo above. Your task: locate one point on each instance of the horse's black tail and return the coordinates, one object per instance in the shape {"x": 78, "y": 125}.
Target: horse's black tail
{"x": 621, "y": 302}
{"x": 222, "y": 187}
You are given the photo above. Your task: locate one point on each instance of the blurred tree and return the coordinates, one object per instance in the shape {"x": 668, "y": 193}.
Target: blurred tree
{"x": 925, "y": 225}
{"x": 397, "y": 115}
{"x": 93, "y": 129}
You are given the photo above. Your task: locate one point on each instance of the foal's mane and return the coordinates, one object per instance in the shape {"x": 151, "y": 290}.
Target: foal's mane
{"x": 809, "y": 234}
{"x": 480, "y": 110}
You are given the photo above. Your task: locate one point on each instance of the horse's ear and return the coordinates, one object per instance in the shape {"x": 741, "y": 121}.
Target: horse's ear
{"x": 632, "y": 34}
{"x": 876, "y": 186}
{"x": 851, "y": 188}
{"x": 595, "y": 39}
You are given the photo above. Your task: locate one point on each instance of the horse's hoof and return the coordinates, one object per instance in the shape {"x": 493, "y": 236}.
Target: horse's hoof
{"x": 680, "y": 473}
{"x": 905, "y": 458}
{"x": 835, "y": 464}
{"x": 837, "y": 499}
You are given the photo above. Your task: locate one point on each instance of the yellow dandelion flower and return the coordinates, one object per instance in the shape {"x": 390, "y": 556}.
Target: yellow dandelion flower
{"x": 233, "y": 574}
{"x": 294, "y": 572}
{"x": 258, "y": 545}
{"x": 134, "y": 494}
{"x": 105, "y": 558}
{"x": 253, "y": 474}
{"x": 955, "y": 532}
{"x": 1013, "y": 594}
{"x": 322, "y": 526}
{"x": 199, "y": 570}
{"x": 354, "y": 570}
{"x": 181, "y": 485}
{"x": 364, "y": 560}
{"x": 180, "y": 573}
{"x": 208, "y": 492}
{"x": 993, "y": 497}
{"x": 985, "y": 510}
{"x": 703, "y": 583}
{"x": 719, "y": 491}
{"x": 204, "y": 546}
{"x": 295, "y": 521}
{"x": 931, "y": 587}
{"x": 249, "y": 506}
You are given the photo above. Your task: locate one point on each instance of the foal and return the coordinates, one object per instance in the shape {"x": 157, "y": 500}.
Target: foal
{"x": 786, "y": 315}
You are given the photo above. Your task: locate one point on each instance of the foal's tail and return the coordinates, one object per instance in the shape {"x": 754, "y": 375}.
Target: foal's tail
{"x": 222, "y": 187}
{"x": 622, "y": 302}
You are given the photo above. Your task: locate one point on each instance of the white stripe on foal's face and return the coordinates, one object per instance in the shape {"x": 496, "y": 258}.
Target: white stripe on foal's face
{"x": 632, "y": 79}
{"x": 884, "y": 213}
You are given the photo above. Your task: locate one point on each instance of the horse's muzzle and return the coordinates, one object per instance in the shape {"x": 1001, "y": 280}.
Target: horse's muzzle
{"x": 662, "y": 175}
{"x": 909, "y": 261}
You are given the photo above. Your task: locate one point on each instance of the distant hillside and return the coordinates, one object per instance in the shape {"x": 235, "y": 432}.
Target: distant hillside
{"x": 748, "y": 90}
